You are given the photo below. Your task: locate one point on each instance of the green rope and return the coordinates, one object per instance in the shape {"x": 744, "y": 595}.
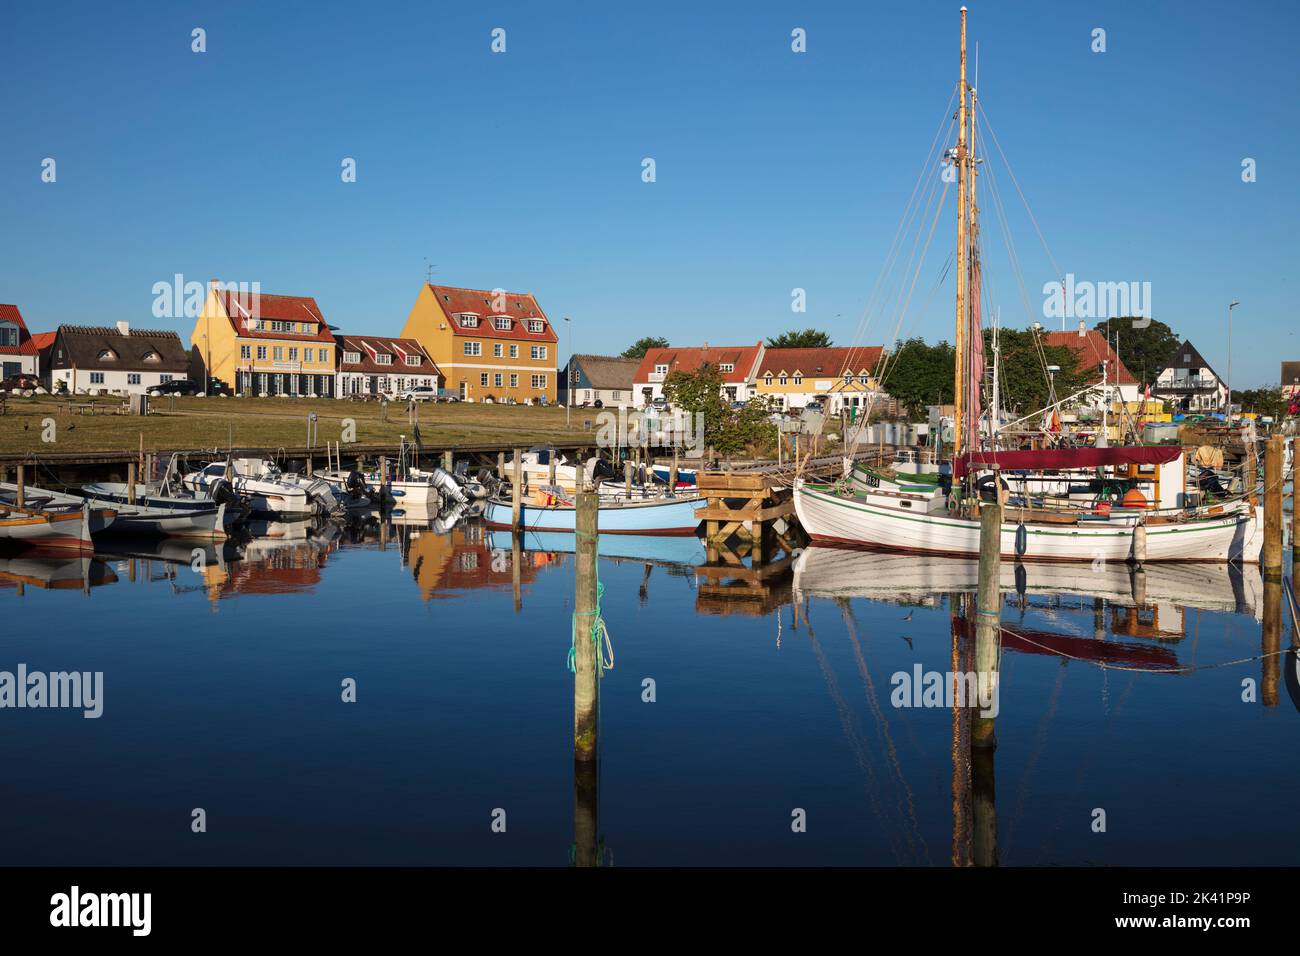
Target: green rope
{"x": 598, "y": 631}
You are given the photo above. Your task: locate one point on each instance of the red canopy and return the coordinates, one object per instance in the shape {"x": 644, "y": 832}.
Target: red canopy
{"x": 1058, "y": 458}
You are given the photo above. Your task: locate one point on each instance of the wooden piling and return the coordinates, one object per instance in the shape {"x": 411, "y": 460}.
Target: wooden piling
{"x": 627, "y": 476}
{"x": 21, "y": 495}
{"x": 1271, "y": 642}
{"x": 585, "y": 666}
{"x": 984, "y": 829}
{"x": 672, "y": 474}
{"x": 988, "y": 622}
{"x": 1250, "y": 475}
{"x": 517, "y": 490}
{"x": 130, "y": 482}
{"x": 448, "y": 465}
{"x": 501, "y": 465}
{"x": 550, "y": 478}
{"x": 1271, "y": 560}
{"x": 516, "y": 568}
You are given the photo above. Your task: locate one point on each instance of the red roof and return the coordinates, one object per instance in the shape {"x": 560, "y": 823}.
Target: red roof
{"x": 241, "y": 307}
{"x": 371, "y": 345}
{"x": 1090, "y": 350}
{"x": 10, "y": 313}
{"x": 518, "y": 307}
{"x": 39, "y": 342}
{"x": 740, "y": 357}
{"x": 827, "y": 362}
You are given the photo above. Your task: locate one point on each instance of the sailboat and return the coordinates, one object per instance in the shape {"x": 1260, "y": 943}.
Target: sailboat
{"x": 942, "y": 521}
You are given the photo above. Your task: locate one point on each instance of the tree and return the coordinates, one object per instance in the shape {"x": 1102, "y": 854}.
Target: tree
{"x": 726, "y": 430}
{"x": 920, "y": 375}
{"x": 639, "y": 348}
{"x": 1145, "y": 345}
{"x": 1022, "y": 377}
{"x": 1269, "y": 400}
{"x": 806, "y": 339}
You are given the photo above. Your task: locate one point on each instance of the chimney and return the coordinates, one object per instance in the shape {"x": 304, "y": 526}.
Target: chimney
{"x": 123, "y": 327}
{"x": 1083, "y": 329}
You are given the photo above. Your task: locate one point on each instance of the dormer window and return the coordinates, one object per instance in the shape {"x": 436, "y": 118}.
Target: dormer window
{"x": 383, "y": 358}
{"x": 798, "y": 379}
{"x": 468, "y": 320}
{"x": 661, "y": 369}
{"x": 151, "y": 357}
{"x": 536, "y": 325}
{"x": 502, "y": 322}
{"x": 108, "y": 355}
{"x": 352, "y": 358}
{"x": 413, "y": 360}
{"x": 727, "y": 367}
{"x": 767, "y": 379}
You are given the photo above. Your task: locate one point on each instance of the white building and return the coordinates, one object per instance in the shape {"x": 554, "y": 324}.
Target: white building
{"x": 376, "y": 364}
{"x": 17, "y": 351}
{"x": 115, "y": 361}
{"x": 1189, "y": 384}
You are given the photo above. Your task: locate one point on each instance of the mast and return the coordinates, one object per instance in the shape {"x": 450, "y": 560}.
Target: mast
{"x": 960, "y": 364}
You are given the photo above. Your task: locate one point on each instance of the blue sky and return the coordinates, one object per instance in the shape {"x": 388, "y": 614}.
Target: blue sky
{"x": 522, "y": 170}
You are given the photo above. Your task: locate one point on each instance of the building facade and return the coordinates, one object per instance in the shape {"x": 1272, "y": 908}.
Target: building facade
{"x": 738, "y": 366}
{"x": 1291, "y": 379}
{"x": 93, "y": 360}
{"x": 377, "y": 365}
{"x": 605, "y": 379}
{"x": 490, "y": 346}
{"x": 263, "y": 344}
{"x": 1189, "y": 384}
{"x": 17, "y": 352}
{"x": 839, "y": 378}
{"x": 1099, "y": 364}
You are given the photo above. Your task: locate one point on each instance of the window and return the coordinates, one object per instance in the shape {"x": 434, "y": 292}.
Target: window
{"x": 150, "y": 357}
{"x": 293, "y": 355}
{"x": 483, "y": 379}
{"x": 514, "y": 351}
{"x": 107, "y": 355}
{"x": 245, "y": 351}
{"x": 536, "y": 325}
{"x": 863, "y": 378}
{"x": 539, "y": 381}
{"x": 496, "y": 379}
{"x": 164, "y": 378}
{"x": 96, "y": 378}
{"x": 727, "y": 367}
{"x": 468, "y": 320}
{"x": 514, "y": 381}
{"x": 539, "y": 351}
{"x": 767, "y": 379}
{"x": 785, "y": 380}
{"x": 261, "y": 351}
{"x": 277, "y": 353}
{"x": 497, "y": 348}
{"x": 352, "y": 358}
{"x": 8, "y": 335}
{"x": 798, "y": 379}
{"x": 383, "y": 358}
{"x": 473, "y": 348}
{"x": 133, "y": 378}
{"x": 413, "y": 360}
{"x": 661, "y": 369}
{"x": 502, "y": 322}
{"x": 848, "y": 378}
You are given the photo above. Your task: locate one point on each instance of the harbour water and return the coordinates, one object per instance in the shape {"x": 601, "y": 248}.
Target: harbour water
{"x": 223, "y": 673}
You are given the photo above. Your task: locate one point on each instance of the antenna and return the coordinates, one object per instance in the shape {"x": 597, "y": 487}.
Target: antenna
{"x": 429, "y": 269}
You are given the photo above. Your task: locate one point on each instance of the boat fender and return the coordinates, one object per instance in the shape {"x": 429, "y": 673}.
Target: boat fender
{"x": 1139, "y": 544}
{"x": 1022, "y": 579}
{"x": 1022, "y": 540}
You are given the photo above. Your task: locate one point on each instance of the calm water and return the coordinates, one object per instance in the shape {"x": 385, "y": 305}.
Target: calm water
{"x": 223, "y": 682}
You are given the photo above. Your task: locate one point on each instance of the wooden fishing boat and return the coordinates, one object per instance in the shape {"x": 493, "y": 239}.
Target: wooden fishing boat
{"x": 196, "y": 519}
{"x": 659, "y": 516}
{"x": 67, "y": 530}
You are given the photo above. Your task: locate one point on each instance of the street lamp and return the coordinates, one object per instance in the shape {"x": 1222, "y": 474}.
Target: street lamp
{"x": 1231, "y": 305}
{"x": 568, "y": 375}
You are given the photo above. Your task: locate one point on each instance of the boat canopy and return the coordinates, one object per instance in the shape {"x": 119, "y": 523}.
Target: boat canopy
{"x": 1045, "y": 459}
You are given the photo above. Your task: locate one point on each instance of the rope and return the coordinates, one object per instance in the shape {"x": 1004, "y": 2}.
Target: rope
{"x": 599, "y": 636}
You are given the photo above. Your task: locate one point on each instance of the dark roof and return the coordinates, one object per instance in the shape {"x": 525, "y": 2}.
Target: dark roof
{"x": 371, "y": 345}
{"x": 82, "y": 346}
{"x": 1187, "y": 357}
{"x": 1290, "y": 373}
{"x": 606, "y": 371}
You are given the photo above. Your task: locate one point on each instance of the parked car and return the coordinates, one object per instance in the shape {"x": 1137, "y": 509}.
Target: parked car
{"x": 20, "y": 383}
{"x": 177, "y": 386}
{"x": 421, "y": 393}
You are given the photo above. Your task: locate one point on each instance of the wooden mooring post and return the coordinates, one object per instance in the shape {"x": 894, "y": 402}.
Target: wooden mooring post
{"x": 130, "y": 482}
{"x": 1271, "y": 559}
{"x": 517, "y": 490}
{"x": 586, "y": 681}
{"x": 21, "y": 495}
{"x": 760, "y": 505}
{"x": 988, "y": 623}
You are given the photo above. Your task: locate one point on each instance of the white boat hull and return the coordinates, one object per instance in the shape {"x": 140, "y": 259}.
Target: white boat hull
{"x": 902, "y": 523}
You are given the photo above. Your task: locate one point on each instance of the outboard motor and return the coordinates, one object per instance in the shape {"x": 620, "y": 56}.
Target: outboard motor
{"x": 356, "y": 485}
{"x": 223, "y": 493}
{"x": 446, "y": 484}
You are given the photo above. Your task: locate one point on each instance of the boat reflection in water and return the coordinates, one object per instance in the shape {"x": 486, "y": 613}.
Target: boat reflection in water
{"x": 54, "y": 572}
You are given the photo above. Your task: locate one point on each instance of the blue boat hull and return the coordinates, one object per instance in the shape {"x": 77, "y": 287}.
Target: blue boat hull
{"x": 657, "y": 549}
{"x": 667, "y": 516}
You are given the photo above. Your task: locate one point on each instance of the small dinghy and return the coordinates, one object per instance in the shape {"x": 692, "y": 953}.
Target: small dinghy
{"x": 64, "y": 530}
{"x": 201, "y": 519}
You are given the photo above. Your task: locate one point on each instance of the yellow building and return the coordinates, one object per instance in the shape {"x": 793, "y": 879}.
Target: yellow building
{"x": 262, "y": 344}
{"x": 836, "y": 377}
{"x": 488, "y": 344}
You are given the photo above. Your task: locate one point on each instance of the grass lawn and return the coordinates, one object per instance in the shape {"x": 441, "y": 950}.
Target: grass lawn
{"x": 195, "y": 423}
